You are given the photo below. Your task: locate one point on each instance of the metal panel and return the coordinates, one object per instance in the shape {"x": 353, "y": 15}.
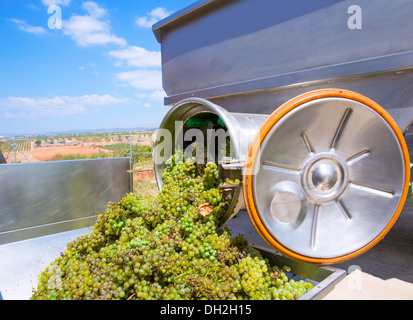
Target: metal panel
{"x": 42, "y": 198}
{"x": 23, "y": 261}
{"x": 219, "y": 49}
{"x": 392, "y": 90}
{"x": 373, "y": 67}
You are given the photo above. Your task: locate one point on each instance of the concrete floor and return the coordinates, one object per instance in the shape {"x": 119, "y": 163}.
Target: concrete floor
{"x": 392, "y": 257}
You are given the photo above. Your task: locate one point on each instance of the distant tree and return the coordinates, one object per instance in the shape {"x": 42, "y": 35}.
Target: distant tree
{"x": 38, "y": 142}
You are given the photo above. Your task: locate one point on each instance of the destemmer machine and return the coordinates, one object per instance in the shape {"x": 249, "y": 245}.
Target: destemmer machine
{"x": 316, "y": 110}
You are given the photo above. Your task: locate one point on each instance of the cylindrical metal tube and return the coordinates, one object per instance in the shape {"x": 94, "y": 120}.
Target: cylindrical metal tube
{"x": 192, "y": 118}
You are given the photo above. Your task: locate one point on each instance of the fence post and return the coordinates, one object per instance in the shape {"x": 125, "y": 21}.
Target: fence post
{"x": 130, "y": 162}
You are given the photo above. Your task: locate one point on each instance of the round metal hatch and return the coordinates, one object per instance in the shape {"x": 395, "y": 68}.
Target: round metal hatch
{"x": 327, "y": 176}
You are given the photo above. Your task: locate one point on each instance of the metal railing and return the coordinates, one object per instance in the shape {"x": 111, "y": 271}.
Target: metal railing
{"x": 131, "y": 154}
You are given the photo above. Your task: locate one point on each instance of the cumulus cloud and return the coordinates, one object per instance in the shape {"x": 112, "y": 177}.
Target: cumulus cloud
{"x": 26, "y": 107}
{"x": 142, "y": 79}
{"x": 92, "y": 28}
{"x": 28, "y": 28}
{"x": 147, "y": 78}
{"x": 137, "y": 57}
{"x": 93, "y": 9}
{"x": 157, "y": 95}
{"x": 56, "y": 2}
{"x": 152, "y": 17}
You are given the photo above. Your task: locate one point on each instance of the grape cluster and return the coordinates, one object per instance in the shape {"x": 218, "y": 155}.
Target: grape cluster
{"x": 161, "y": 247}
{"x": 206, "y": 251}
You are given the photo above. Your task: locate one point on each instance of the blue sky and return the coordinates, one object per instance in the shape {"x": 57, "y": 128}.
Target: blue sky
{"x": 101, "y": 69}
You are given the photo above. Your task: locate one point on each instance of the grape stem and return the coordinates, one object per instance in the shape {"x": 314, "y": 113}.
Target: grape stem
{"x": 182, "y": 274}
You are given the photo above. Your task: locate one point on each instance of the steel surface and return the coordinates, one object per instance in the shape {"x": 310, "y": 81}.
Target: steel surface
{"x": 41, "y": 198}
{"x": 253, "y": 55}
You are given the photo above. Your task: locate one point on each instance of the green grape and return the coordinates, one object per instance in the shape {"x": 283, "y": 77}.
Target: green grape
{"x": 161, "y": 247}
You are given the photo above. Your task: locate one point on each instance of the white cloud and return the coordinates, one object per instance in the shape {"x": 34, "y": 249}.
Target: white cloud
{"x": 25, "y": 107}
{"x": 142, "y": 79}
{"x": 91, "y": 29}
{"x": 95, "y": 100}
{"x": 157, "y": 95}
{"x": 137, "y": 57}
{"x": 8, "y": 115}
{"x": 152, "y": 17}
{"x": 28, "y": 28}
{"x": 93, "y": 9}
{"x": 57, "y": 2}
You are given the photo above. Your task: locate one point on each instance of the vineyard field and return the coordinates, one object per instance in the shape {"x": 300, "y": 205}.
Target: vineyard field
{"x": 24, "y": 146}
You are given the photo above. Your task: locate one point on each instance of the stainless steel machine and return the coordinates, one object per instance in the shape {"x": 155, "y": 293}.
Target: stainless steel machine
{"x": 315, "y": 108}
